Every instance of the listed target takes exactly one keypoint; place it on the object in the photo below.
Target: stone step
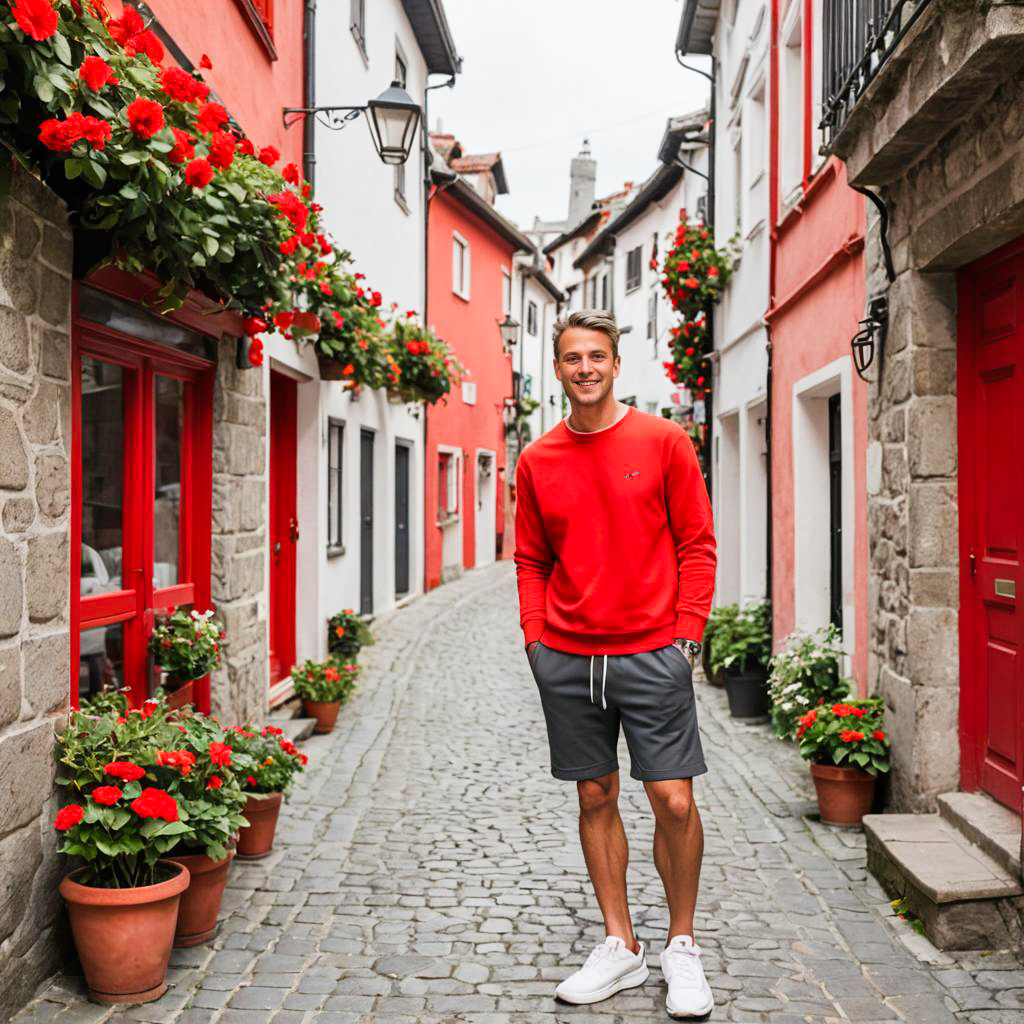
(965, 898)
(990, 825)
(298, 729)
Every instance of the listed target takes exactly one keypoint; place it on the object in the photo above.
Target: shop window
(141, 489)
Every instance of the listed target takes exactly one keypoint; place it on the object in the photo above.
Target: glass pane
(168, 412)
(100, 660)
(102, 476)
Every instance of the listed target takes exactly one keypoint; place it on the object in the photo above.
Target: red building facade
(818, 401)
(470, 264)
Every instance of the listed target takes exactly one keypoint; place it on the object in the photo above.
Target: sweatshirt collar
(592, 436)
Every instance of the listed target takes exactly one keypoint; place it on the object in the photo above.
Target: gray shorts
(650, 693)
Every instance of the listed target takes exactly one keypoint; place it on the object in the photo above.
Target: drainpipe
(309, 89)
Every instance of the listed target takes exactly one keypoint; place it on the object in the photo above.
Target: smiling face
(585, 366)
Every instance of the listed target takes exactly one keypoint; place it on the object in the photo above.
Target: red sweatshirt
(615, 549)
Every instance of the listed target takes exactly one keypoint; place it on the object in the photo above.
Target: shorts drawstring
(604, 676)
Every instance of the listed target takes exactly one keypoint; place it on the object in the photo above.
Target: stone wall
(239, 687)
(35, 373)
(957, 198)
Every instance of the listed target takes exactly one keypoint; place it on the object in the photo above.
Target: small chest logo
(631, 476)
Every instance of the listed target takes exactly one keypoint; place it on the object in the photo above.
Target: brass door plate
(1006, 588)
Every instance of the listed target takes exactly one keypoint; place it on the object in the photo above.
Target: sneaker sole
(682, 1014)
(631, 980)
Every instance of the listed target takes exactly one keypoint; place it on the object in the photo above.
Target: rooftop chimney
(583, 184)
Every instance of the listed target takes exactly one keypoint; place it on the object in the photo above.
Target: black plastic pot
(748, 693)
(714, 678)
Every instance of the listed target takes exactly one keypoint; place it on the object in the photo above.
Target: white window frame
(791, 107)
(634, 279)
(460, 266)
(506, 291)
(454, 476)
(754, 149)
(336, 545)
(531, 318)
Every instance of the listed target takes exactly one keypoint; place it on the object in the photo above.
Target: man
(615, 560)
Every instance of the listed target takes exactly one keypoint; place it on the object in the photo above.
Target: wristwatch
(689, 647)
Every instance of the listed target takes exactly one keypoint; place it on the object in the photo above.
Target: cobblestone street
(428, 869)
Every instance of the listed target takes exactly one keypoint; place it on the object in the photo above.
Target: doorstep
(288, 716)
(993, 827)
(965, 897)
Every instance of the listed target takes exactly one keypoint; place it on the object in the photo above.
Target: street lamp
(392, 117)
(509, 331)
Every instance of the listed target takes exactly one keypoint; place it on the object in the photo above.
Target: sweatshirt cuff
(533, 629)
(689, 627)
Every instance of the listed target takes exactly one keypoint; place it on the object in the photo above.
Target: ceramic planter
(844, 793)
(200, 902)
(181, 695)
(324, 711)
(124, 936)
(256, 840)
(748, 693)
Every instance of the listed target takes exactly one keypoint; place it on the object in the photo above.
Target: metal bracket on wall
(883, 216)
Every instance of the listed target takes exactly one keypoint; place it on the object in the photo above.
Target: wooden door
(284, 524)
(365, 522)
(991, 489)
(401, 518)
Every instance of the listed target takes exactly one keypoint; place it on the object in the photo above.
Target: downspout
(309, 89)
(773, 239)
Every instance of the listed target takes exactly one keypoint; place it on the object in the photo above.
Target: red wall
(252, 86)
(818, 297)
(471, 329)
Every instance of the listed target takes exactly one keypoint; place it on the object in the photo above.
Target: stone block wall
(35, 444)
(952, 204)
(239, 687)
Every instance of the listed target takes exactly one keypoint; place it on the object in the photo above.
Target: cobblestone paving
(428, 870)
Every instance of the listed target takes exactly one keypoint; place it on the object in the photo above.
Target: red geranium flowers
(60, 136)
(181, 86)
(68, 817)
(36, 18)
(106, 795)
(96, 73)
(155, 803)
(126, 771)
(145, 117)
(211, 117)
(199, 173)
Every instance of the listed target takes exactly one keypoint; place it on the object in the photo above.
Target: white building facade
(359, 459)
(738, 39)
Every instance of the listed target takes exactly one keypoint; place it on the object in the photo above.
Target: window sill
(632, 288)
(258, 27)
(458, 294)
(400, 200)
(335, 550)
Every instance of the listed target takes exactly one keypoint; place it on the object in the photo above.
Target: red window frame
(259, 15)
(135, 605)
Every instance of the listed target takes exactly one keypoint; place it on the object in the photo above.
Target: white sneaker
(609, 969)
(689, 994)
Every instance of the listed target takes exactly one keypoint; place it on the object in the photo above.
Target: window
(141, 485)
(531, 318)
(591, 293)
(791, 106)
(604, 291)
(753, 163)
(358, 24)
(633, 269)
(400, 78)
(506, 292)
(335, 505)
(265, 12)
(447, 486)
(835, 532)
(469, 392)
(652, 408)
(652, 315)
(460, 266)
(260, 17)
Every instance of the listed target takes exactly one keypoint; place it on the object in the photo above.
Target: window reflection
(102, 476)
(100, 660)
(167, 500)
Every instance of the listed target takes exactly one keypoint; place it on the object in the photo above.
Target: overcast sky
(540, 75)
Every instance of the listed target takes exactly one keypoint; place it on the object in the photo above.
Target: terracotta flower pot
(124, 936)
(844, 793)
(200, 902)
(324, 711)
(181, 696)
(256, 840)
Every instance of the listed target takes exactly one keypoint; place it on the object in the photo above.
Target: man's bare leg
(606, 852)
(678, 849)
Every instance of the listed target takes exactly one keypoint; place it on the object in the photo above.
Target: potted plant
(324, 687)
(742, 652)
(186, 645)
(716, 630)
(347, 635)
(210, 786)
(848, 749)
(421, 366)
(122, 819)
(275, 763)
(805, 674)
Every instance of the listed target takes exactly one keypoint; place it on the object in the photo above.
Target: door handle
(293, 529)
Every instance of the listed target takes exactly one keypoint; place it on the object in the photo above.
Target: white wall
(534, 361)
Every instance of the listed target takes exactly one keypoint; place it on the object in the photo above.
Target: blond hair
(589, 319)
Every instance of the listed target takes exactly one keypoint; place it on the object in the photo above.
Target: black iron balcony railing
(858, 37)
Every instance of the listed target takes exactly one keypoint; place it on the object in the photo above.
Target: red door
(990, 387)
(142, 415)
(284, 524)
